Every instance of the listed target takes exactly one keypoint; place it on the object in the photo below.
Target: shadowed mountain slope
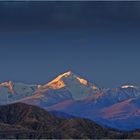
(26, 121)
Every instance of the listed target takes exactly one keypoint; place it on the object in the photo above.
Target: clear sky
(97, 40)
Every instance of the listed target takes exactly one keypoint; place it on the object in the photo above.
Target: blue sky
(97, 40)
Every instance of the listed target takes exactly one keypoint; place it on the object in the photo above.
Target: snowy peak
(66, 79)
(58, 82)
(129, 86)
(66, 74)
(9, 85)
(11, 92)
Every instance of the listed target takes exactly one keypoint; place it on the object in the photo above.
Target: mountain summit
(64, 79)
(74, 84)
(58, 82)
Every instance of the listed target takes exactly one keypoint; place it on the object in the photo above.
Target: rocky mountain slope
(26, 121)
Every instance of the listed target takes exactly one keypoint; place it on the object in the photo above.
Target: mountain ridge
(9, 84)
(20, 120)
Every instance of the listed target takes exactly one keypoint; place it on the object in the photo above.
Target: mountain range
(73, 95)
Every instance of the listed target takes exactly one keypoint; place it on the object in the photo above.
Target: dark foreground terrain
(26, 121)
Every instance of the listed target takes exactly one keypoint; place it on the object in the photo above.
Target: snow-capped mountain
(77, 86)
(66, 86)
(11, 92)
(107, 97)
(76, 96)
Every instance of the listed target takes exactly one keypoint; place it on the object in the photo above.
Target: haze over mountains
(74, 95)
